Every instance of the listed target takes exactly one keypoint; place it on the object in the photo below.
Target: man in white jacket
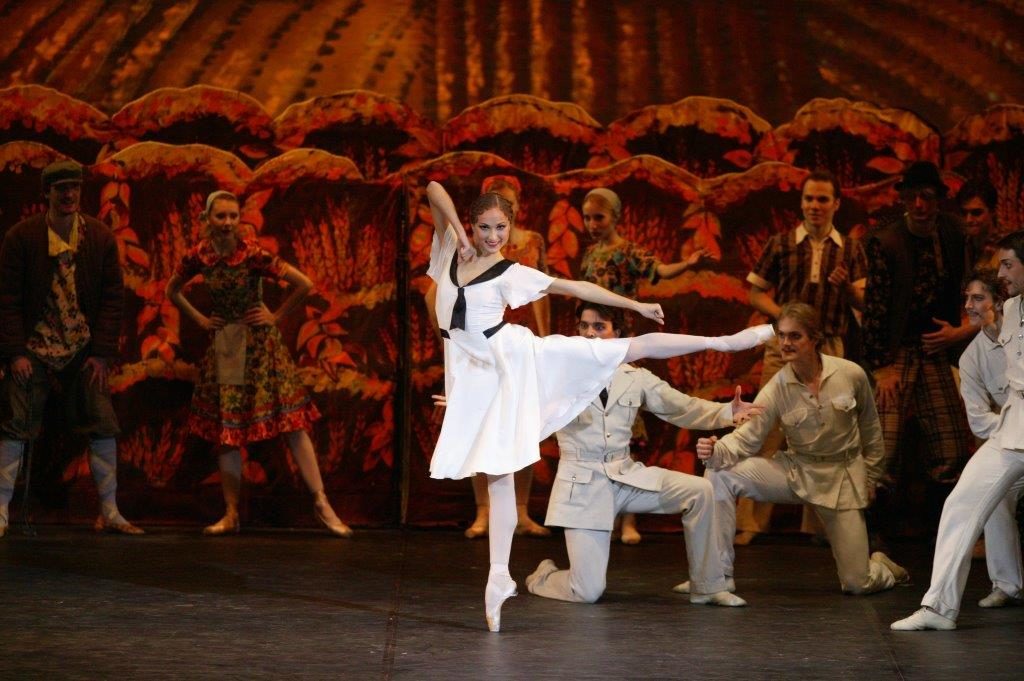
(990, 474)
(598, 479)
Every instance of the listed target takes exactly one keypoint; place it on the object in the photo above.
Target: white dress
(506, 389)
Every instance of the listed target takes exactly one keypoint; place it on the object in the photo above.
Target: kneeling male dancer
(834, 456)
(597, 479)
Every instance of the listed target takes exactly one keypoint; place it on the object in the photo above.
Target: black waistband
(487, 332)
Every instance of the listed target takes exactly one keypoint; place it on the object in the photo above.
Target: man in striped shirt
(814, 264)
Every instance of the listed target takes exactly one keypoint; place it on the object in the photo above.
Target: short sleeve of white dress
(441, 253)
(521, 285)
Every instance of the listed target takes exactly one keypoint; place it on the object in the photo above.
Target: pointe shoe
(998, 599)
(500, 588)
(721, 598)
(116, 525)
(898, 572)
(527, 527)
(545, 568)
(684, 588)
(227, 525)
(328, 517)
(924, 619)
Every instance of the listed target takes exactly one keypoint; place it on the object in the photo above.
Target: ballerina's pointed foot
(500, 587)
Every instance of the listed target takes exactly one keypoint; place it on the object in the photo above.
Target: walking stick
(26, 526)
(27, 529)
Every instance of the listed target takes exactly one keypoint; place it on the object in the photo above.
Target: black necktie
(459, 311)
(604, 397)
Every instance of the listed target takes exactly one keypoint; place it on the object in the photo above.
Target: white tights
(502, 519)
(665, 345)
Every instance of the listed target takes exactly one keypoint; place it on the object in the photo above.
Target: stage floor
(393, 604)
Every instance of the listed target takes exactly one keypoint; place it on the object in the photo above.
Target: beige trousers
(755, 516)
(765, 480)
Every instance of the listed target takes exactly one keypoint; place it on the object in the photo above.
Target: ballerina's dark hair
(489, 200)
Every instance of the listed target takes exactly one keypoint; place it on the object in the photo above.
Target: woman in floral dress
(248, 389)
(619, 265)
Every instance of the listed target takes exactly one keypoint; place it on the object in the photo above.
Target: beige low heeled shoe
(227, 525)
(328, 517)
(119, 526)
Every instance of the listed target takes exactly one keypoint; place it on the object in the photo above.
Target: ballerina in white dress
(506, 389)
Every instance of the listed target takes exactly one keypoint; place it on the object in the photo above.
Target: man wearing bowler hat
(916, 266)
(61, 298)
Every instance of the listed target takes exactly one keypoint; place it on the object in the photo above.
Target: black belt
(487, 332)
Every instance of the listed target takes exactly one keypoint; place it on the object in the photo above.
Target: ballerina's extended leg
(502, 526)
(666, 345)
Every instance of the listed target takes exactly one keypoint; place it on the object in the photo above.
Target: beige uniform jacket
(834, 442)
(594, 447)
(1009, 432)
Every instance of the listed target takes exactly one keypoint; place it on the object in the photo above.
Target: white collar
(833, 233)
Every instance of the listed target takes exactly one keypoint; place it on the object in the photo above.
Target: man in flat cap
(916, 266)
(61, 298)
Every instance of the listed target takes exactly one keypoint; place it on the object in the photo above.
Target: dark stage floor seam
(880, 628)
(391, 637)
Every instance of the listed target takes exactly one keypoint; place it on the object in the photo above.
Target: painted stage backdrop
(335, 185)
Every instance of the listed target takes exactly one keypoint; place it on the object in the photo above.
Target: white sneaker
(684, 588)
(923, 620)
(545, 568)
(722, 598)
(899, 573)
(998, 599)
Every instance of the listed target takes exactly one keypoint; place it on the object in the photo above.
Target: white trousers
(765, 480)
(585, 580)
(984, 498)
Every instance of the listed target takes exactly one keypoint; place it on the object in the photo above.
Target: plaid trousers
(929, 394)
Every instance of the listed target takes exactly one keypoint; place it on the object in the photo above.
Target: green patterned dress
(272, 399)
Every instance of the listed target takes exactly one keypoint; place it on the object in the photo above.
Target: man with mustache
(833, 459)
(61, 299)
(814, 264)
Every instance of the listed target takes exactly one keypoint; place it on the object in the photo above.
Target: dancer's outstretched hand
(743, 411)
(467, 254)
(651, 311)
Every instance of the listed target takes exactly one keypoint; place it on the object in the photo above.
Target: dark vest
(896, 243)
